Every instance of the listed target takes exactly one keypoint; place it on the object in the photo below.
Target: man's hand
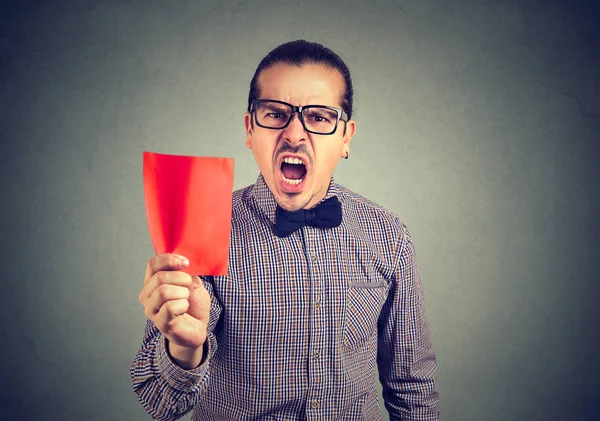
(179, 306)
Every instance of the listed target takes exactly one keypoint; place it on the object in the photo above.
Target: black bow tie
(327, 214)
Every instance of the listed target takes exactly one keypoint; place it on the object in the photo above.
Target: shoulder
(240, 201)
(241, 194)
(365, 211)
(368, 219)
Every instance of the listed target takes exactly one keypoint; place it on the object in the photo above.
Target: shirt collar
(265, 201)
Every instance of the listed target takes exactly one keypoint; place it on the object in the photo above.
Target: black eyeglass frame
(341, 115)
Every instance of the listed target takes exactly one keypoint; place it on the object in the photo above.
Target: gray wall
(478, 123)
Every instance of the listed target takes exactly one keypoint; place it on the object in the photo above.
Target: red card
(188, 205)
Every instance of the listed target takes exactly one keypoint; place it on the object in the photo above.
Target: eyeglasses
(277, 115)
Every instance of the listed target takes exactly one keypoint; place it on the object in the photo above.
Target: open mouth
(293, 170)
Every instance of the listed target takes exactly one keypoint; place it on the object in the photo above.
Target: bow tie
(327, 214)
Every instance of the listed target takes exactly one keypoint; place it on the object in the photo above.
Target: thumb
(196, 282)
(199, 300)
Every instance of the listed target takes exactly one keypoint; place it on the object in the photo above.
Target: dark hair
(303, 52)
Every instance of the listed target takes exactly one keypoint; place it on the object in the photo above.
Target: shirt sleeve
(165, 390)
(405, 355)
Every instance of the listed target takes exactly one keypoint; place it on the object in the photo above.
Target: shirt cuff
(178, 377)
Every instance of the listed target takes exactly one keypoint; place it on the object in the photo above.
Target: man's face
(307, 184)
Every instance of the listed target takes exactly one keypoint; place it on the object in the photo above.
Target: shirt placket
(315, 404)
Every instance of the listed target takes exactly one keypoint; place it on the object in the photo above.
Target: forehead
(301, 85)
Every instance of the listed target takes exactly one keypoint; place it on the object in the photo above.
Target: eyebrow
(327, 110)
(274, 107)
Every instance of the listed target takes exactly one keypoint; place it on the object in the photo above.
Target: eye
(318, 117)
(276, 115)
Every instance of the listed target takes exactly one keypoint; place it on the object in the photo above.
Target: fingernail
(184, 261)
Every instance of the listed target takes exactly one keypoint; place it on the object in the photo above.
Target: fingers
(180, 279)
(165, 261)
(170, 311)
(162, 295)
(176, 302)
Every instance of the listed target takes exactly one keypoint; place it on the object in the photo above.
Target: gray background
(478, 123)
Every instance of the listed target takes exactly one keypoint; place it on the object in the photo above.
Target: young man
(322, 287)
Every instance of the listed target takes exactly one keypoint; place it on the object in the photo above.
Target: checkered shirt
(301, 326)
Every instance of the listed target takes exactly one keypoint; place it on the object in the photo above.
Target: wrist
(184, 357)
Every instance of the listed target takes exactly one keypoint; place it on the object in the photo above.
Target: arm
(166, 390)
(405, 355)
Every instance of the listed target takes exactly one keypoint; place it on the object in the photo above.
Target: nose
(294, 132)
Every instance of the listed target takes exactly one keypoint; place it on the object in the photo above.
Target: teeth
(287, 180)
(290, 160)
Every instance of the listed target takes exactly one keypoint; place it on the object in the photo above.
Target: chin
(292, 202)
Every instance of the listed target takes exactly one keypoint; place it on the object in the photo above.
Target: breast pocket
(364, 301)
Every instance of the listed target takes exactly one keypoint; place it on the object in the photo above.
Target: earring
(347, 155)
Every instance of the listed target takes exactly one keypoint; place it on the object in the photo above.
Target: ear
(249, 129)
(350, 131)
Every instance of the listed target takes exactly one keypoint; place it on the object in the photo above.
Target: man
(322, 288)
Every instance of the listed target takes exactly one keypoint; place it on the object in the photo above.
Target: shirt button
(317, 355)
(313, 257)
(314, 404)
(317, 306)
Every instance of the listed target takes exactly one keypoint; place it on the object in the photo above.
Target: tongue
(293, 171)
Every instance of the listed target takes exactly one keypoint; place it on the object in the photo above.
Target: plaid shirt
(300, 324)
